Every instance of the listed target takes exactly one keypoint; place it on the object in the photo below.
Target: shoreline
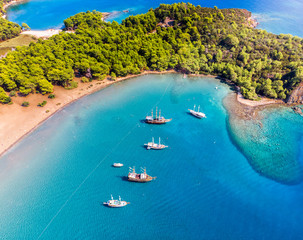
(42, 34)
(30, 118)
(45, 34)
(5, 6)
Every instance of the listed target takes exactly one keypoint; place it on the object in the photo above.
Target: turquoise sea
(277, 16)
(53, 182)
(220, 178)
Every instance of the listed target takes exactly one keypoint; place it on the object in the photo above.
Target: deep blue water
(277, 16)
(209, 183)
(53, 183)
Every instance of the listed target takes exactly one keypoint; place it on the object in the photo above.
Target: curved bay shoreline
(17, 121)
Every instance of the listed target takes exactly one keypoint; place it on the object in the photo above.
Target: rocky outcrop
(297, 110)
(251, 21)
(167, 23)
(296, 97)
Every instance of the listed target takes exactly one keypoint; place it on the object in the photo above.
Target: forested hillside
(7, 29)
(178, 36)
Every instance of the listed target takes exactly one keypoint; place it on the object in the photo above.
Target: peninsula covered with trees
(8, 29)
(184, 37)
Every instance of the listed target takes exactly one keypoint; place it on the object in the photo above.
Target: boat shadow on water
(123, 178)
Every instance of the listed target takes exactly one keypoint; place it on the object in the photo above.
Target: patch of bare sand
(42, 34)
(17, 121)
(263, 101)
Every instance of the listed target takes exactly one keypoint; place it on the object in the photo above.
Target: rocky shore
(6, 5)
(296, 97)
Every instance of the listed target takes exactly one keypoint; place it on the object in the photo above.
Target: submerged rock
(268, 138)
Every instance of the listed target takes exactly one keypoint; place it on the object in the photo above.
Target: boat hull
(140, 180)
(155, 148)
(197, 115)
(155, 121)
(117, 165)
(115, 205)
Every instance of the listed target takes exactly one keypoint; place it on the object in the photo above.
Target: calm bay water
(53, 182)
(277, 16)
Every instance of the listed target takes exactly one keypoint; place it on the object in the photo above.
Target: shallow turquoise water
(53, 183)
(272, 144)
(277, 16)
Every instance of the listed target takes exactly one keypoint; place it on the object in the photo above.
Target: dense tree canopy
(181, 36)
(7, 29)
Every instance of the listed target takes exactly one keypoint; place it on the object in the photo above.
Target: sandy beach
(17, 121)
(12, 3)
(42, 34)
(263, 101)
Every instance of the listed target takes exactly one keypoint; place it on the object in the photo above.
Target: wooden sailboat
(142, 177)
(156, 120)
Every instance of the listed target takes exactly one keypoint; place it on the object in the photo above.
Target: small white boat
(156, 146)
(115, 203)
(197, 114)
(117, 165)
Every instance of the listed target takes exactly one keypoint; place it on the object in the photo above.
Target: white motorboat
(117, 165)
(116, 203)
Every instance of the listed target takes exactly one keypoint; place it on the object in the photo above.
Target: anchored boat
(155, 146)
(142, 177)
(117, 165)
(197, 114)
(115, 203)
(156, 120)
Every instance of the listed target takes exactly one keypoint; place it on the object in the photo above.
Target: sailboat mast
(152, 113)
(159, 140)
(153, 140)
(199, 108)
(194, 107)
